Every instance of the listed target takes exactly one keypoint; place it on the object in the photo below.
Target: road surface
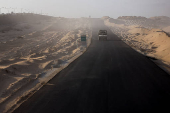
(110, 77)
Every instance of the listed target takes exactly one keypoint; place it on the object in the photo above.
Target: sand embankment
(144, 35)
(30, 48)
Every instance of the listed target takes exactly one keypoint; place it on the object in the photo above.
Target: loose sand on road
(29, 49)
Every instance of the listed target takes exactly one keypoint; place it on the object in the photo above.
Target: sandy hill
(155, 42)
(13, 26)
(10, 19)
(162, 18)
(137, 21)
(132, 17)
(34, 44)
(147, 35)
(161, 22)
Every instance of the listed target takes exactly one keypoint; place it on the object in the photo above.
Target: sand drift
(149, 36)
(33, 52)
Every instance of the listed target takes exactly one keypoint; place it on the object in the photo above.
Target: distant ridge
(131, 17)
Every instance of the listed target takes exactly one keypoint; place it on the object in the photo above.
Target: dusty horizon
(86, 8)
(35, 48)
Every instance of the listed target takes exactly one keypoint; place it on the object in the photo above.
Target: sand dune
(25, 54)
(144, 35)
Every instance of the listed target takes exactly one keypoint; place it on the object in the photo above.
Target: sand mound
(26, 54)
(132, 17)
(155, 42)
(161, 21)
(144, 35)
(162, 18)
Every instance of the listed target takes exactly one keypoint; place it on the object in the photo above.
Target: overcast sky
(95, 8)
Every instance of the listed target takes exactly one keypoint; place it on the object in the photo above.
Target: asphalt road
(109, 77)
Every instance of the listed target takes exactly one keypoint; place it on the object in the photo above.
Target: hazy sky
(95, 8)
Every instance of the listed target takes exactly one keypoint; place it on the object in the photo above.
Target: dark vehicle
(102, 34)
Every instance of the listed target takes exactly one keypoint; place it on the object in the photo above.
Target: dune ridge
(149, 39)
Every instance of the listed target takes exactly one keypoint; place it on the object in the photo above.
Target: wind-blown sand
(28, 49)
(149, 36)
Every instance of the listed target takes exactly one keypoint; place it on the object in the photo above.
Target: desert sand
(33, 44)
(29, 47)
(149, 36)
